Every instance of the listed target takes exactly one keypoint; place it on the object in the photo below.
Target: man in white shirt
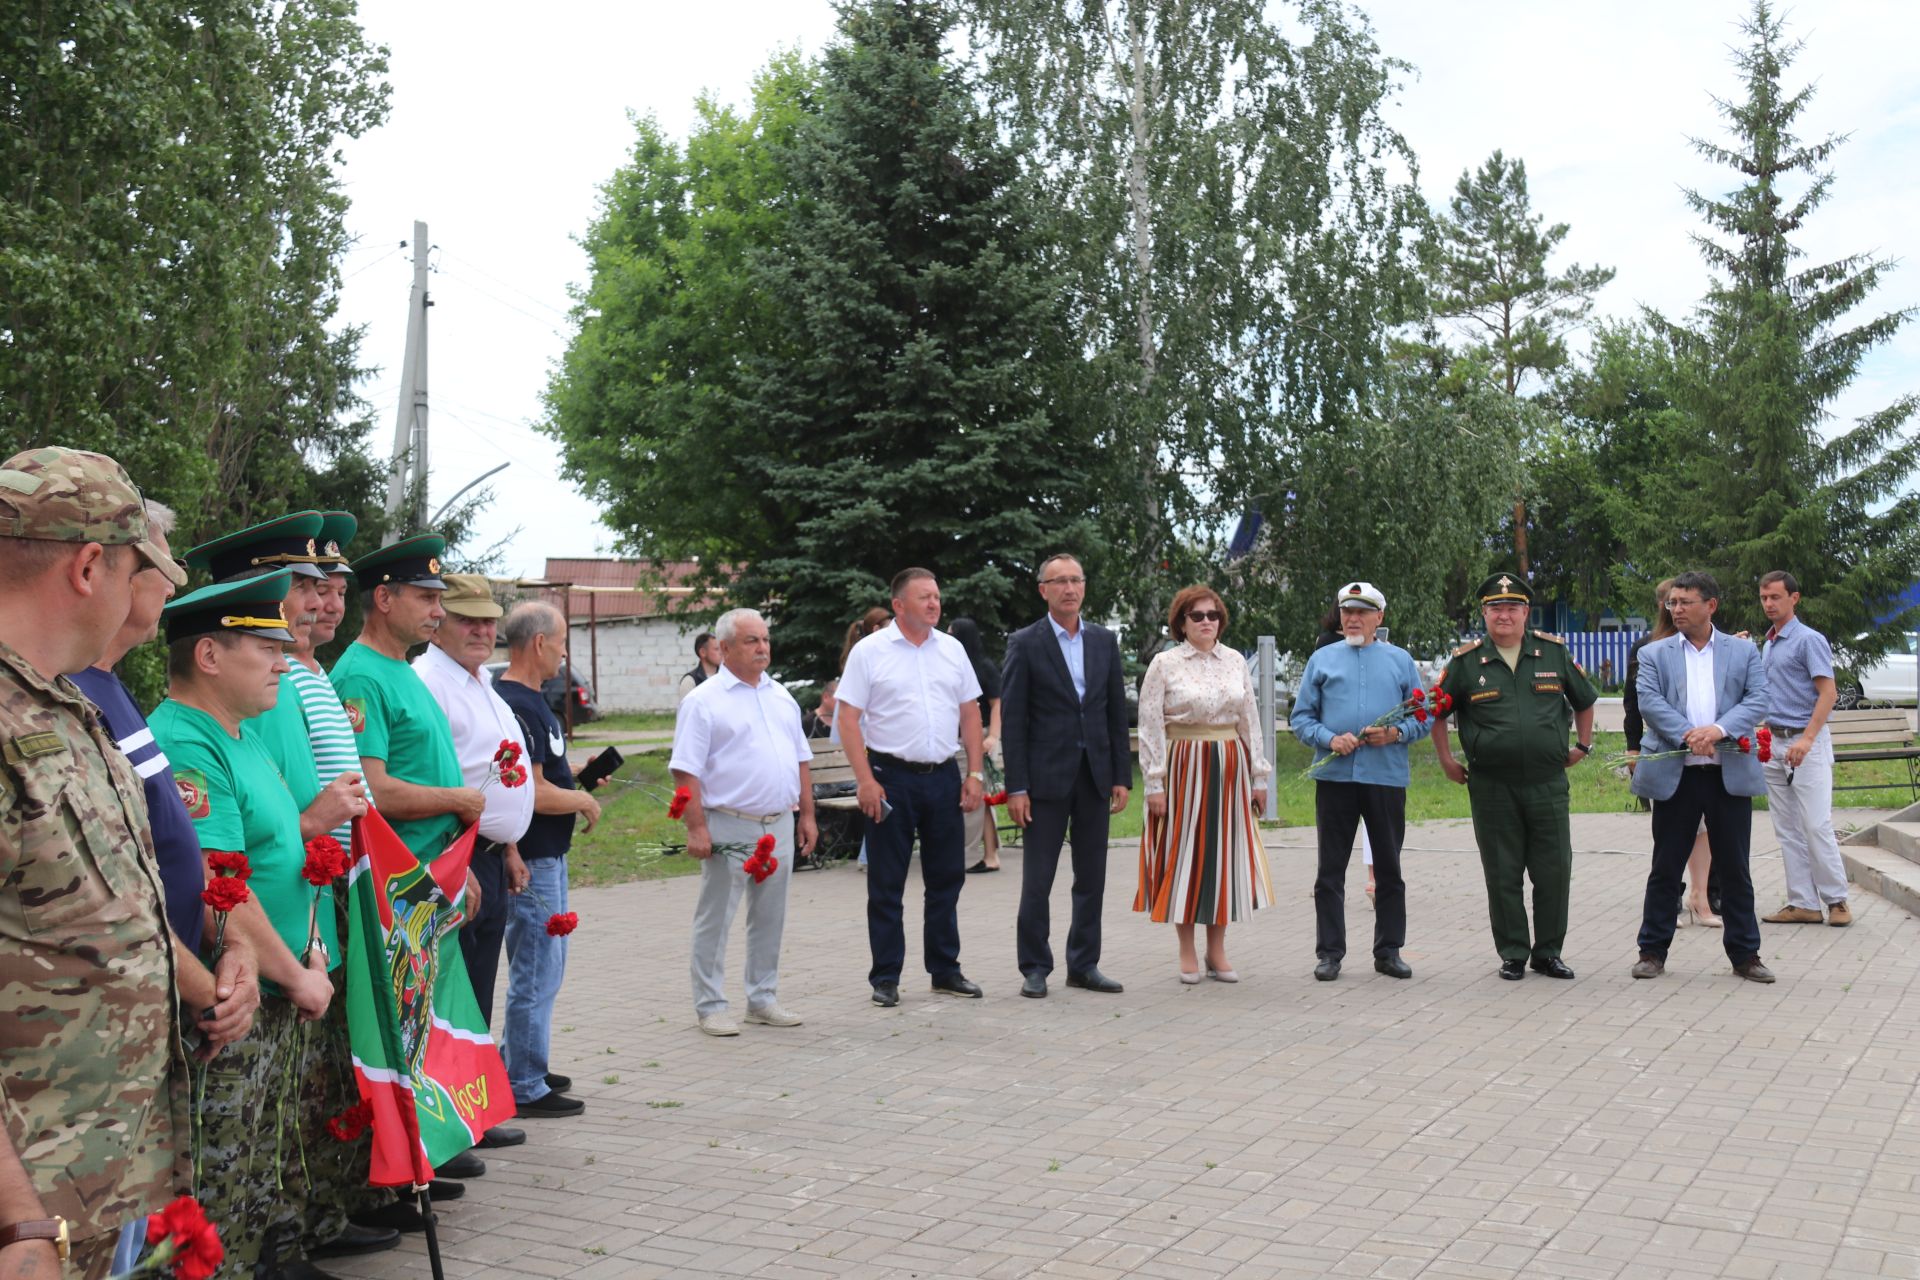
(739, 751)
(908, 703)
(454, 670)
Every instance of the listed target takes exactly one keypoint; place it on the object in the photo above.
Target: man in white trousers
(1800, 697)
(739, 750)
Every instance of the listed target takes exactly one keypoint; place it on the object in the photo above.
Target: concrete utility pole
(409, 468)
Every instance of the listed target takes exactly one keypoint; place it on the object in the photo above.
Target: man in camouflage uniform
(94, 1076)
(1515, 696)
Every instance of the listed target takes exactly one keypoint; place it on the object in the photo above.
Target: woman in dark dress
(982, 838)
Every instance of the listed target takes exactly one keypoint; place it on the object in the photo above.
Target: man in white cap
(1345, 688)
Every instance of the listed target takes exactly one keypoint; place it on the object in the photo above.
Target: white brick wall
(641, 660)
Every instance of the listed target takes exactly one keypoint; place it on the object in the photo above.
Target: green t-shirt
(239, 802)
(396, 720)
(288, 742)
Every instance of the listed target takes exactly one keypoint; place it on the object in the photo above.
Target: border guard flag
(421, 1052)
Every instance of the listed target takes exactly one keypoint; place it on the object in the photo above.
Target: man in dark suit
(1063, 717)
(1701, 691)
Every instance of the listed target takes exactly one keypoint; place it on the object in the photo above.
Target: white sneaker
(773, 1016)
(719, 1024)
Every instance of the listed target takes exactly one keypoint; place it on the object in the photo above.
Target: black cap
(290, 541)
(412, 562)
(1506, 586)
(244, 607)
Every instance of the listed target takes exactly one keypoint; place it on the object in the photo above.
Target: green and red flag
(421, 1052)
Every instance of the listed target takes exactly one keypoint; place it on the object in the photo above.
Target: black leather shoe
(957, 985)
(441, 1189)
(1094, 980)
(401, 1215)
(1513, 970)
(886, 994)
(559, 1083)
(1034, 986)
(1553, 967)
(552, 1105)
(1327, 970)
(502, 1135)
(1390, 963)
(464, 1165)
(357, 1239)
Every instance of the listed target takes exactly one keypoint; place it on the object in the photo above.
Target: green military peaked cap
(1506, 586)
(246, 607)
(412, 561)
(289, 540)
(336, 531)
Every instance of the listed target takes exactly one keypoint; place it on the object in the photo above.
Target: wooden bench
(1875, 735)
(830, 767)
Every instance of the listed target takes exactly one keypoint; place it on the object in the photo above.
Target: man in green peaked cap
(1517, 694)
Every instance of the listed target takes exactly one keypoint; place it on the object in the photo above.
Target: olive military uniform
(1515, 729)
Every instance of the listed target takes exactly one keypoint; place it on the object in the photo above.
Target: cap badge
(433, 565)
(333, 548)
(1506, 583)
(311, 552)
(1354, 590)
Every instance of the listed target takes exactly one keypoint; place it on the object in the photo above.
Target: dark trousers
(1524, 834)
(1338, 809)
(1087, 813)
(481, 938)
(1701, 793)
(927, 805)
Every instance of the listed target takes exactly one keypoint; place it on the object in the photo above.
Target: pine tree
(909, 412)
(1764, 355)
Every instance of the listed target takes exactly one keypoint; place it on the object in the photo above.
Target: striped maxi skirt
(1203, 863)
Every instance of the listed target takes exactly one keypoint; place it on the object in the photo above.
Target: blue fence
(1602, 653)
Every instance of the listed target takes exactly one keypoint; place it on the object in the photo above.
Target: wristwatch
(1584, 748)
(976, 775)
(54, 1229)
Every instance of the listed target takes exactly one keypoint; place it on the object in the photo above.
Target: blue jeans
(535, 965)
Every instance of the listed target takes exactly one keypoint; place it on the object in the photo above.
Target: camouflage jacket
(92, 1072)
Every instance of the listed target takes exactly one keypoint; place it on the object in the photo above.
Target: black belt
(483, 845)
(911, 766)
(1790, 730)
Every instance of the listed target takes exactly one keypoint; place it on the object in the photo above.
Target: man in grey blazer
(1702, 690)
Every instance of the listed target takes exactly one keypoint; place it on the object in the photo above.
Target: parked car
(1894, 678)
(555, 692)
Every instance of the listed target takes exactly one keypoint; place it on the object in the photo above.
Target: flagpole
(433, 1237)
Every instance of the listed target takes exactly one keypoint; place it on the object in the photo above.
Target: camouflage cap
(52, 494)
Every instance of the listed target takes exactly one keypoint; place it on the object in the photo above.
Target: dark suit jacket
(1044, 726)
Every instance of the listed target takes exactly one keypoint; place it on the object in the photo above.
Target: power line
(476, 267)
(544, 322)
(371, 265)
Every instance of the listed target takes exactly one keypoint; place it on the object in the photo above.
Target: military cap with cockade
(244, 607)
(289, 541)
(51, 494)
(412, 561)
(336, 531)
(1506, 587)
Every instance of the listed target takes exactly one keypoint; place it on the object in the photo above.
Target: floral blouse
(1185, 685)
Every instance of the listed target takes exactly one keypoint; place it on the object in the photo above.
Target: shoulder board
(1468, 647)
(1542, 635)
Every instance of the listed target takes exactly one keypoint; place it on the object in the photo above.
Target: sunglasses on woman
(1205, 615)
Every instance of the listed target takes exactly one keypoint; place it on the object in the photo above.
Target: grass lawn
(630, 722)
(633, 825)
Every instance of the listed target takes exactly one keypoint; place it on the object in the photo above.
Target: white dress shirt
(479, 720)
(744, 742)
(1703, 692)
(909, 694)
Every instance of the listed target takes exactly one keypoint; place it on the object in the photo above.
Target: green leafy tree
(1239, 220)
(1488, 271)
(1760, 362)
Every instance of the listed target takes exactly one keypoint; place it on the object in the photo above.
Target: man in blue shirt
(1800, 697)
(1361, 775)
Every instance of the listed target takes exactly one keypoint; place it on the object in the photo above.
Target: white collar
(436, 654)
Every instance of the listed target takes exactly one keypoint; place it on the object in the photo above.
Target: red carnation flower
(352, 1122)
(1746, 746)
(1420, 714)
(1418, 695)
(763, 846)
(225, 893)
(230, 864)
(183, 1237)
(326, 861)
(682, 797)
(562, 923)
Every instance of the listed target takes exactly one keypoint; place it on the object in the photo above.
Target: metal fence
(1603, 654)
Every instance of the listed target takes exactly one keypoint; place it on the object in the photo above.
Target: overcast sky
(506, 120)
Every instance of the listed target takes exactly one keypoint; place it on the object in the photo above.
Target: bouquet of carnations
(1759, 746)
(1420, 706)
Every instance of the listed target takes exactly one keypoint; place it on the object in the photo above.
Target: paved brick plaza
(1454, 1125)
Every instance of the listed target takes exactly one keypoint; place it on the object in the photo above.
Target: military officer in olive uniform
(1515, 695)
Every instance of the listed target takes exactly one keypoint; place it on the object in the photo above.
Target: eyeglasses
(1205, 615)
(1063, 582)
(1673, 603)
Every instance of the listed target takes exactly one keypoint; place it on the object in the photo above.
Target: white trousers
(1803, 821)
(722, 884)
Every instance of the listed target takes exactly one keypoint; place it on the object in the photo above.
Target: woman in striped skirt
(1200, 857)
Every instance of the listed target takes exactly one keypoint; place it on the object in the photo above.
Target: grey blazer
(1740, 703)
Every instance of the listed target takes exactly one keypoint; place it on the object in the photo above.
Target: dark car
(555, 692)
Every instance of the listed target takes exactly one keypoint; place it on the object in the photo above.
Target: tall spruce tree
(909, 413)
(1760, 362)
